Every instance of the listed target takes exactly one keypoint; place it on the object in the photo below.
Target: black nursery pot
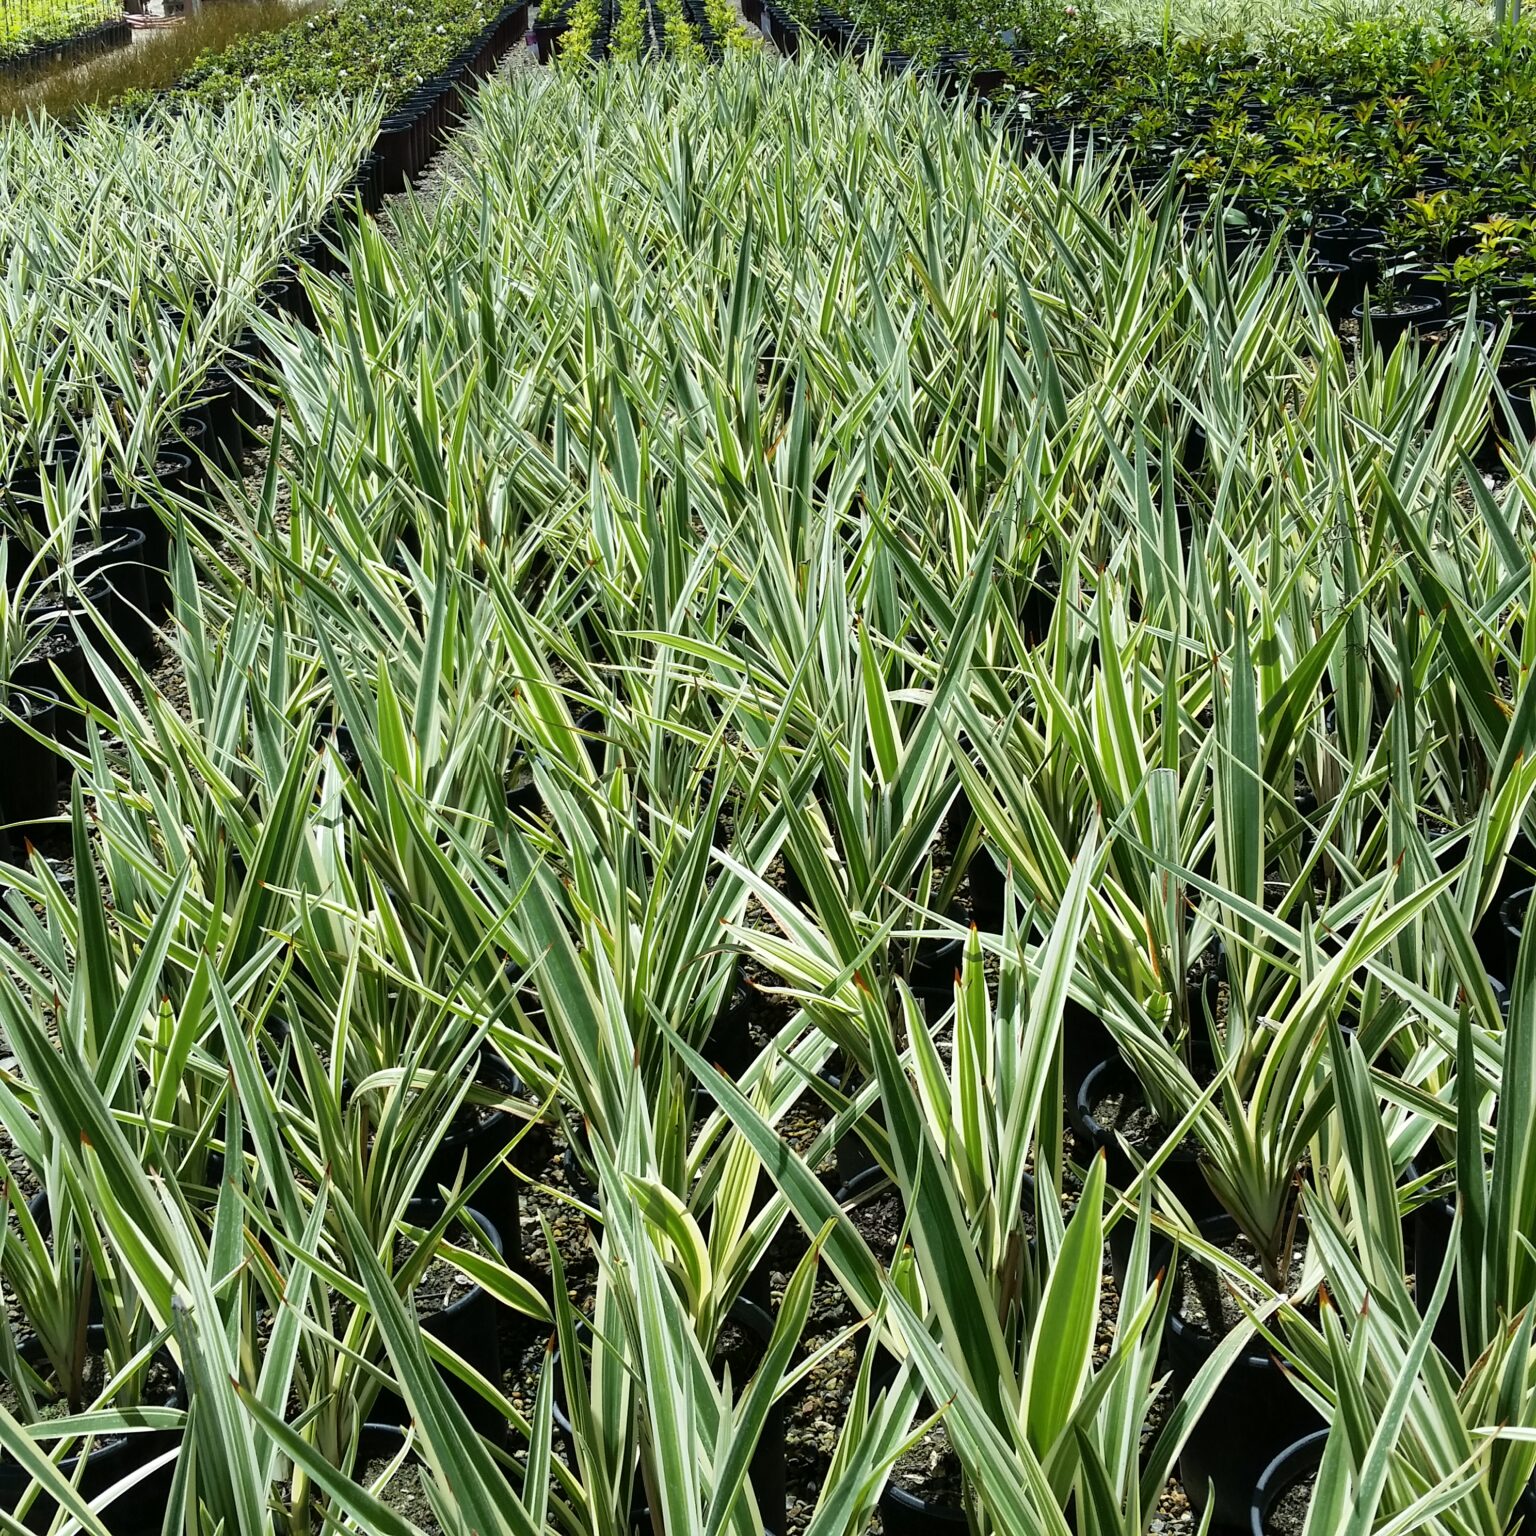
(24, 486)
(173, 468)
(1254, 1413)
(1390, 323)
(730, 1046)
(931, 968)
(1517, 362)
(120, 560)
(1512, 914)
(1497, 935)
(64, 659)
(1180, 1171)
(1323, 228)
(393, 149)
(1340, 290)
(154, 556)
(1085, 1043)
(473, 1145)
(141, 1511)
(29, 785)
(1292, 1467)
(1520, 391)
(903, 1513)
(1342, 241)
(222, 405)
(470, 1327)
(1430, 1227)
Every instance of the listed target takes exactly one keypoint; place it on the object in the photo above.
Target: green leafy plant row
(29, 24)
(1416, 125)
(357, 47)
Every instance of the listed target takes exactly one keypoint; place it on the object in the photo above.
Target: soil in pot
(1288, 1517)
(404, 1493)
(1390, 319)
(140, 1513)
(925, 1490)
(879, 1219)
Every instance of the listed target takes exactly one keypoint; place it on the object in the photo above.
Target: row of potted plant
(86, 560)
(33, 30)
(998, 746)
(353, 48)
(1412, 127)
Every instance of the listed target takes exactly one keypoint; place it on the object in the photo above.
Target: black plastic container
(1521, 410)
(1293, 1466)
(29, 781)
(22, 494)
(392, 149)
(1512, 913)
(1339, 242)
(469, 1326)
(1321, 228)
(1497, 934)
(1389, 324)
(1517, 362)
(1341, 293)
(1254, 1413)
(155, 553)
(1430, 1231)
(173, 468)
(120, 560)
(139, 1512)
(472, 1144)
(906, 1514)
(931, 968)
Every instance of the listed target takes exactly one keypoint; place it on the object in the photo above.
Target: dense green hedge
(1427, 129)
(358, 45)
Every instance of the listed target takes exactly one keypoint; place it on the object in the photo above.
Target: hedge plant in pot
(998, 1318)
(1120, 755)
(1471, 1217)
(1410, 1444)
(462, 1481)
(81, 1356)
(723, 1355)
(372, 1142)
(1257, 1111)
